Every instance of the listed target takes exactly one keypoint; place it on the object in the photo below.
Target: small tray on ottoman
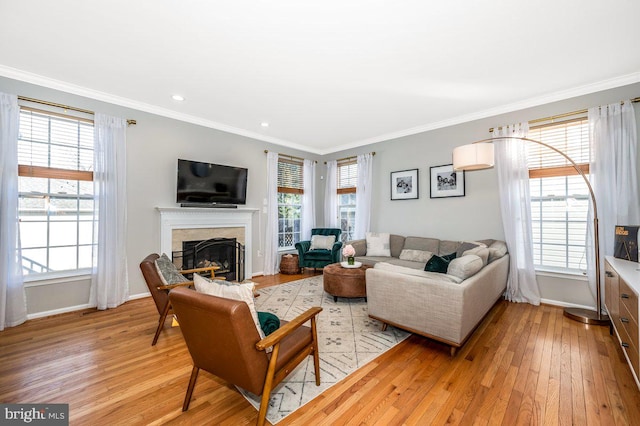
(289, 264)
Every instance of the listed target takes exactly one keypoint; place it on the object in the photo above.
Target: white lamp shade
(475, 156)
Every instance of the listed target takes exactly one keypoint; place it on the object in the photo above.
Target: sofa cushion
(396, 244)
(439, 263)
(416, 272)
(360, 246)
(421, 243)
(318, 254)
(447, 246)
(481, 252)
(378, 244)
(416, 255)
(322, 242)
(464, 246)
(497, 250)
(465, 266)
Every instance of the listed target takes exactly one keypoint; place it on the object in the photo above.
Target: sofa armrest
(426, 305)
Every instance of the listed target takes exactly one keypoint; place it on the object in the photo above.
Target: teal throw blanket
(268, 322)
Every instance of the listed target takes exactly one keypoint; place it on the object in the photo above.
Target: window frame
(80, 148)
(346, 184)
(553, 166)
(290, 185)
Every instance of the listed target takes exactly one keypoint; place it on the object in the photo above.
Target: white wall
(155, 143)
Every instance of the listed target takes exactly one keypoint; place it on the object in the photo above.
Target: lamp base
(586, 316)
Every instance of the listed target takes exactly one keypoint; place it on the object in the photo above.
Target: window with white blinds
(290, 190)
(347, 179)
(559, 195)
(55, 192)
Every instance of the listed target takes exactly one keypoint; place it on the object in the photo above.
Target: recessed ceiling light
(264, 124)
(177, 98)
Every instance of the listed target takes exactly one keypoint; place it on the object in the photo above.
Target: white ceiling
(326, 75)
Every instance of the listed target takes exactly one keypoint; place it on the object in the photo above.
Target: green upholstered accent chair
(319, 258)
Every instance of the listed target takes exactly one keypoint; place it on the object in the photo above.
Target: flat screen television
(210, 184)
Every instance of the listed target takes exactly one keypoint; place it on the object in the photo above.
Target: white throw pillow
(422, 256)
(497, 250)
(481, 252)
(378, 244)
(227, 290)
(465, 266)
(322, 242)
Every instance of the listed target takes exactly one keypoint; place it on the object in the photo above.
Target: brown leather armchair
(222, 339)
(159, 291)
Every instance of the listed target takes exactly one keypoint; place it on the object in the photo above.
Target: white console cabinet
(622, 288)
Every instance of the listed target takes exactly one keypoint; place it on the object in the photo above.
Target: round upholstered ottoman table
(345, 282)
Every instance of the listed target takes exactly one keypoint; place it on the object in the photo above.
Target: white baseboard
(68, 309)
(565, 304)
(59, 311)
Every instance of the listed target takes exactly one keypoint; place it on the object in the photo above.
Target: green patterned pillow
(168, 272)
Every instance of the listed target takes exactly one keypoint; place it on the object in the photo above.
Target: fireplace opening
(226, 253)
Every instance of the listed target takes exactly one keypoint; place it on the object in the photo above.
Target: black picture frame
(445, 182)
(404, 185)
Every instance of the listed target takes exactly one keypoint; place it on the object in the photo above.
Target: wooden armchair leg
(163, 317)
(192, 384)
(268, 386)
(316, 354)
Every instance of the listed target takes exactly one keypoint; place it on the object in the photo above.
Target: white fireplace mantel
(193, 217)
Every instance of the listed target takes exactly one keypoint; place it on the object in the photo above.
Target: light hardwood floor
(523, 365)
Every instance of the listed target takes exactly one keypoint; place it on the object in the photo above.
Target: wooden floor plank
(523, 364)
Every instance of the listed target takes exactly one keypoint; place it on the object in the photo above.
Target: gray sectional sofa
(445, 306)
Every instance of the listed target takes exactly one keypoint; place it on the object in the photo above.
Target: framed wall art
(404, 185)
(445, 182)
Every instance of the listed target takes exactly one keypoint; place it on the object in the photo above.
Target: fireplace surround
(215, 220)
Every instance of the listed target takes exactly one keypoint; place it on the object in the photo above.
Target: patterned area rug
(347, 338)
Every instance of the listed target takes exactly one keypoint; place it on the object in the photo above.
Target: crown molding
(50, 83)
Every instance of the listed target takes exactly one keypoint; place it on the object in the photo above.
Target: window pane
(289, 217)
(34, 261)
(63, 258)
(33, 234)
(63, 233)
(85, 254)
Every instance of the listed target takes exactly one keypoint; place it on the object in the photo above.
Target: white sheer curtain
(331, 195)
(109, 281)
(363, 195)
(613, 175)
(13, 308)
(308, 212)
(515, 206)
(271, 234)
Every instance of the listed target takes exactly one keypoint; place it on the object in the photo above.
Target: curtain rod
(566, 114)
(130, 122)
(351, 158)
(291, 157)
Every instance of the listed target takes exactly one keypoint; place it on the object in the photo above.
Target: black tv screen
(205, 183)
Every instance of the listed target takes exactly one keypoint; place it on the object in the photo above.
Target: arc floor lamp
(479, 155)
